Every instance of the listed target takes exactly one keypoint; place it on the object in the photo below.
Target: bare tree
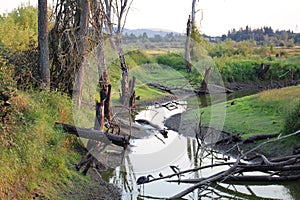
(121, 8)
(188, 46)
(82, 47)
(43, 43)
(191, 25)
(103, 107)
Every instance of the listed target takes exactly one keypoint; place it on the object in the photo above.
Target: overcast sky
(219, 16)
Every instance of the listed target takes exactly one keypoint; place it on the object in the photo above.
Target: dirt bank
(183, 126)
(260, 85)
(96, 188)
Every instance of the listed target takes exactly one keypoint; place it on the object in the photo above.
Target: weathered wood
(230, 139)
(187, 45)
(160, 87)
(260, 137)
(132, 92)
(96, 135)
(99, 119)
(230, 179)
(219, 176)
(204, 83)
(213, 89)
(163, 131)
(236, 169)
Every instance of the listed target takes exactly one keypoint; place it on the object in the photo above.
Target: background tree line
(264, 35)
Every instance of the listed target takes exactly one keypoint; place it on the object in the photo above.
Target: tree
(121, 8)
(69, 45)
(43, 46)
(103, 111)
(82, 44)
(190, 29)
(187, 46)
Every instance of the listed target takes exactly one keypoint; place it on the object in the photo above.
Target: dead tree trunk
(193, 14)
(188, 46)
(82, 48)
(204, 83)
(189, 27)
(43, 43)
(103, 111)
(124, 81)
(132, 93)
(122, 7)
(108, 22)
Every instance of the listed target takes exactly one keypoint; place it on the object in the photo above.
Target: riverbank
(263, 113)
(37, 159)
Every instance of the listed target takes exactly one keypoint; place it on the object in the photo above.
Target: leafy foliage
(19, 28)
(7, 90)
(173, 60)
(292, 121)
(245, 69)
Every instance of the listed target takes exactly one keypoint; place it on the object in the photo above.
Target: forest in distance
(264, 35)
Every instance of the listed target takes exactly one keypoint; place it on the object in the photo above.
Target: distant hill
(150, 32)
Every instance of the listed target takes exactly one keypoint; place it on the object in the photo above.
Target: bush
(7, 90)
(173, 60)
(292, 121)
(19, 27)
(139, 57)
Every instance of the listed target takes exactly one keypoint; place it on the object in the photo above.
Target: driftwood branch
(190, 170)
(233, 173)
(209, 180)
(160, 87)
(231, 179)
(260, 137)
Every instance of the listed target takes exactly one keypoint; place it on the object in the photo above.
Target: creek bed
(155, 154)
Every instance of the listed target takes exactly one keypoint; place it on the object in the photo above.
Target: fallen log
(255, 138)
(213, 89)
(230, 179)
(160, 87)
(163, 131)
(104, 137)
(230, 139)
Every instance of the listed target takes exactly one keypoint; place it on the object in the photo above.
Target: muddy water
(155, 154)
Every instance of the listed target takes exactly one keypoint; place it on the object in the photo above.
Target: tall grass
(34, 154)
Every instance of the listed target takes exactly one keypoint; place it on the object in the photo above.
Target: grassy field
(264, 112)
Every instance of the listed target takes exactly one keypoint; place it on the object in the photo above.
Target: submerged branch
(238, 167)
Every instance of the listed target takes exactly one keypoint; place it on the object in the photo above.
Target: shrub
(292, 121)
(7, 90)
(173, 60)
(139, 57)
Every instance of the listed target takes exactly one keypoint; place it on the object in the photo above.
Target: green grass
(256, 114)
(34, 155)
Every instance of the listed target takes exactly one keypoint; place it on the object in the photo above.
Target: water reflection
(154, 155)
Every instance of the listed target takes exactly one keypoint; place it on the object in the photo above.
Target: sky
(214, 18)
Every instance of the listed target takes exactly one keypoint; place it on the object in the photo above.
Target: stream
(156, 153)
